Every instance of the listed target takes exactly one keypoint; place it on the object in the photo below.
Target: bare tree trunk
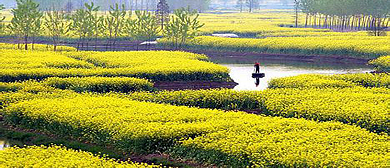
(307, 19)
(250, 6)
(348, 23)
(379, 25)
(319, 21)
(107, 44)
(326, 22)
(359, 23)
(337, 22)
(25, 43)
(296, 15)
(32, 42)
(364, 23)
(368, 23)
(82, 42)
(78, 44)
(147, 5)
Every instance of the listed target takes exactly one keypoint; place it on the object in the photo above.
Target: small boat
(258, 75)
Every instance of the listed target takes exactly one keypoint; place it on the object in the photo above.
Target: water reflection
(257, 76)
(294, 63)
(242, 73)
(4, 144)
(257, 82)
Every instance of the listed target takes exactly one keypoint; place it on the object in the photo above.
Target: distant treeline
(347, 14)
(86, 25)
(149, 5)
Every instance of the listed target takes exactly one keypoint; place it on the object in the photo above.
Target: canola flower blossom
(100, 84)
(352, 46)
(57, 156)
(381, 64)
(240, 138)
(153, 65)
(364, 107)
(332, 81)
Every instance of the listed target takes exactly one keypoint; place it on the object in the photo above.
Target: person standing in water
(257, 67)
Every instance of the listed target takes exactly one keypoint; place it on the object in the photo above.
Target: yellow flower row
(262, 24)
(382, 64)
(153, 65)
(354, 46)
(100, 84)
(364, 107)
(20, 59)
(276, 142)
(56, 156)
(224, 138)
(332, 81)
(367, 108)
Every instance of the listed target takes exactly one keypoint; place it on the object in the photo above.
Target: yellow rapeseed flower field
(332, 81)
(364, 107)
(353, 46)
(100, 84)
(261, 23)
(154, 65)
(56, 156)
(302, 121)
(382, 64)
(237, 138)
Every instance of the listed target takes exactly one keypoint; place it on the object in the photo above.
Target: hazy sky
(214, 3)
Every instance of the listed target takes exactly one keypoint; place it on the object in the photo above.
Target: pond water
(242, 69)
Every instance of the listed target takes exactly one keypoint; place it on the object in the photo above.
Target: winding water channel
(242, 69)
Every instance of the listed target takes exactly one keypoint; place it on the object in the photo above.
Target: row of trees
(148, 5)
(87, 25)
(250, 4)
(347, 14)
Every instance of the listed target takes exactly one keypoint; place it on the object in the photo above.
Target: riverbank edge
(284, 57)
(124, 45)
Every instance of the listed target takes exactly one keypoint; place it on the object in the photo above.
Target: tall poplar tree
(2, 18)
(162, 13)
(26, 20)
